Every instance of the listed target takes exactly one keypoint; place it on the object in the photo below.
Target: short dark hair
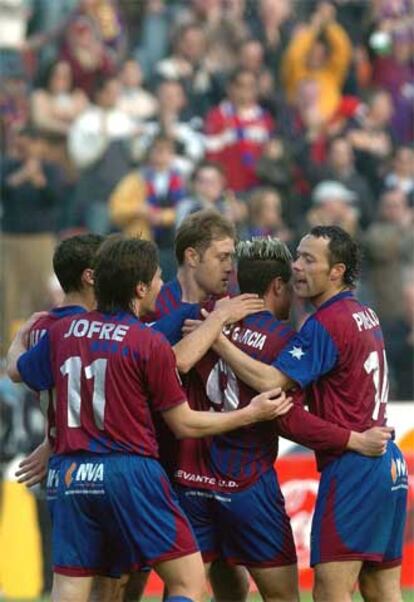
(199, 229)
(72, 257)
(239, 71)
(260, 261)
(342, 249)
(206, 164)
(121, 264)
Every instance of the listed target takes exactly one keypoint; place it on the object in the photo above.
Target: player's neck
(85, 300)
(326, 295)
(191, 292)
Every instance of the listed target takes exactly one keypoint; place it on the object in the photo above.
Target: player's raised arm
(257, 375)
(185, 422)
(191, 349)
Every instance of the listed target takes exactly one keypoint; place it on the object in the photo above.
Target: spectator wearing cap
(332, 205)
(340, 167)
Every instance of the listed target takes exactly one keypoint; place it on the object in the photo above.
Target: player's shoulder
(337, 311)
(169, 298)
(48, 321)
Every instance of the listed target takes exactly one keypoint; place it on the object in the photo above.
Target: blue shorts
(361, 510)
(249, 527)
(113, 514)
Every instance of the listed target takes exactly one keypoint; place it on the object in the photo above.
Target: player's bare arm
(372, 442)
(33, 469)
(257, 375)
(227, 311)
(19, 346)
(186, 423)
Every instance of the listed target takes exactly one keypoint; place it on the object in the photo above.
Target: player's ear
(338, 272)
(191, 257)
(88, 277)
(276, 286)
(141, 290)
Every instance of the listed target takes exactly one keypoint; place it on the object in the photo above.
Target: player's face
(311, 270)
(148, 302)
(215, 266)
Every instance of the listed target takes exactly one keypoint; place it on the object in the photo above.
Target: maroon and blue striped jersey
(339, 351)
(236, 460)
(38, 330)
(110, 373)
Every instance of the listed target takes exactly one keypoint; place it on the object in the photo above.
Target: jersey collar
(337, 297)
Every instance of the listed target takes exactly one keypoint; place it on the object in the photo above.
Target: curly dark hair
(342, 249)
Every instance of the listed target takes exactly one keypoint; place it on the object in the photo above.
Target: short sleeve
(35, 367)
(310, 354)
(171, 325)
(164, 383)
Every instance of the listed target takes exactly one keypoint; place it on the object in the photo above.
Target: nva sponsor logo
(90, 473)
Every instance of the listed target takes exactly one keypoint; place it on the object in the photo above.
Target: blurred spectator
(173, 121)
(389, 44)
(56, 105)
(251, 58)
(134, 100)
(14, 108)
(224, 28)
(265, 215)
(340, 166)
(86, 53)
(128, 207)
(321, 51)
(154, 36)
(98, 146)
(399, 339)
(274, 168)
(237, 131)
(209, 192)
(187, 65)
(332, 206)
(272, 24)
(165, 189)
(14, 17)
(105, 17)
(30, 202)
(401, 175)
(389, 246)
(370, 135)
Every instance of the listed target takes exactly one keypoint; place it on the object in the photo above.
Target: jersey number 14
(380, 378)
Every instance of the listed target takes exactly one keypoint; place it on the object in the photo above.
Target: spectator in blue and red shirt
(165, 188)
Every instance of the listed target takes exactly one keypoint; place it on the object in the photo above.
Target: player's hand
(190, 325)
(235, 309)
(372, 442)
(33, 469)
(270, 405)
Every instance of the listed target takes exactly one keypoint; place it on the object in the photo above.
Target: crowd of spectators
(282, 114)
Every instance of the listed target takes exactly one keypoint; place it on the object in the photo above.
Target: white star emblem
(297, 352)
